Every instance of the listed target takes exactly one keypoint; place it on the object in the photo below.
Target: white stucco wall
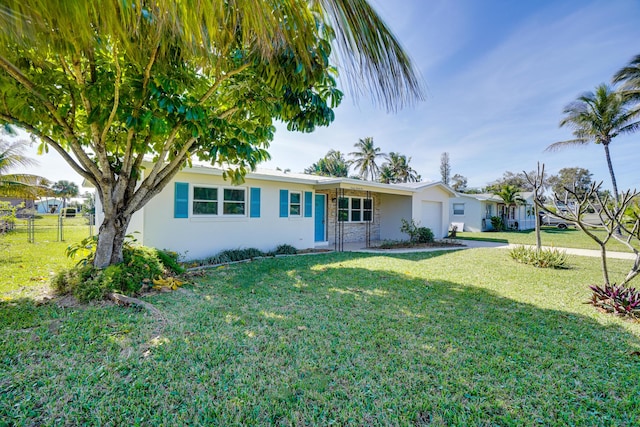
(431, 195)
(198, 237)
(393, 209)
(473, 213)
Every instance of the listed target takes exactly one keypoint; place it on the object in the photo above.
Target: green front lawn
(26, 266)
(442, 338)
(550, 236)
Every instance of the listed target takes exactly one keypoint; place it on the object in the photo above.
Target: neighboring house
(26, 206)
(475, 212)
(48, 205)
(199, 213)
(26, 203)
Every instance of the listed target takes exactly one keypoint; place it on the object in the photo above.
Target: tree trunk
(613, 176)
(110, 240)
(603, 262)
(536, 212)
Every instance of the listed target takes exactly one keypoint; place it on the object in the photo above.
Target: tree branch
(116, 96)
(97, 148)
(65, 155)
(151, 185)
(18, 76)
(217, 84)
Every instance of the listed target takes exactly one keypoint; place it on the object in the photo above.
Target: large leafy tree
(110, 83)
(459, 183)
(18, 184)
(365, 157)
(599, 117)
(577, 180)
(515, 179)
(332, 164)
(397, 170)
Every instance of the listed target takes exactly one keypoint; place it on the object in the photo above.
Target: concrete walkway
(473, 244)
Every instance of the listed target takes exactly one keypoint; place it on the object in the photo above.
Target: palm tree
(65, 189)
(365, 159)
(332, 164)
(629, 77)
(386, 174)
(510, 195)
(16, 184)
(397, 170)
(599, 117)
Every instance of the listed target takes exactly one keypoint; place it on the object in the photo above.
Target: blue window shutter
(308, 204)
(181, 200)
(255, 203)
(284, 203)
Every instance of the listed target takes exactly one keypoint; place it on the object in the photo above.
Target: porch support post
(368, 223)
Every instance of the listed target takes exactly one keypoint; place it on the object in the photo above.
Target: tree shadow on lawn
(475, 356)
(319, 340)
(400, 348)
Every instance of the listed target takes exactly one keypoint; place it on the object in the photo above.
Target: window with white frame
(216, 201)
(234, 201)
(458, 208)
(295, 203)
(355, 209)
(205, 201)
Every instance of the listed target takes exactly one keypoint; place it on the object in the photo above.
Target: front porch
(357, 215)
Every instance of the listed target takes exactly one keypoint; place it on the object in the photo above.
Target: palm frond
(371, 57)
(630, 128)
(564, 144)
(629, 75)
(369, 49)
(11, 156)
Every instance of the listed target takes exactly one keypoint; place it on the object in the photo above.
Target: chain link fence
(56, 227)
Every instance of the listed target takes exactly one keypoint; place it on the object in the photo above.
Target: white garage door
(432, 217)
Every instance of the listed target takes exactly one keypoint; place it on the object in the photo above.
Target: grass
(463, 338)
(25, 266)
(550, 236)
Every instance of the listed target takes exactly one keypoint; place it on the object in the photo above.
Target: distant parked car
(68, 212)
(552, 220)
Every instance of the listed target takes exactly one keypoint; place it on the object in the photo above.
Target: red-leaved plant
(617, 299)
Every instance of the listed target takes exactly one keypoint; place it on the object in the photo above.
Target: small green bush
(87, 283)
(543, 258)
(285, 250)
(8, 216)
(232, 255)
(170, 260)
(416, 234)
(425, 235)
(497, 223)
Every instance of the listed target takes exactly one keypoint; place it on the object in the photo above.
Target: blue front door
(320, 210)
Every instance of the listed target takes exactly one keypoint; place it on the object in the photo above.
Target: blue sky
(498, 74)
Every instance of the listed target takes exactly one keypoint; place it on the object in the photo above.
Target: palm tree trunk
(614, 184)
(613, 176)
